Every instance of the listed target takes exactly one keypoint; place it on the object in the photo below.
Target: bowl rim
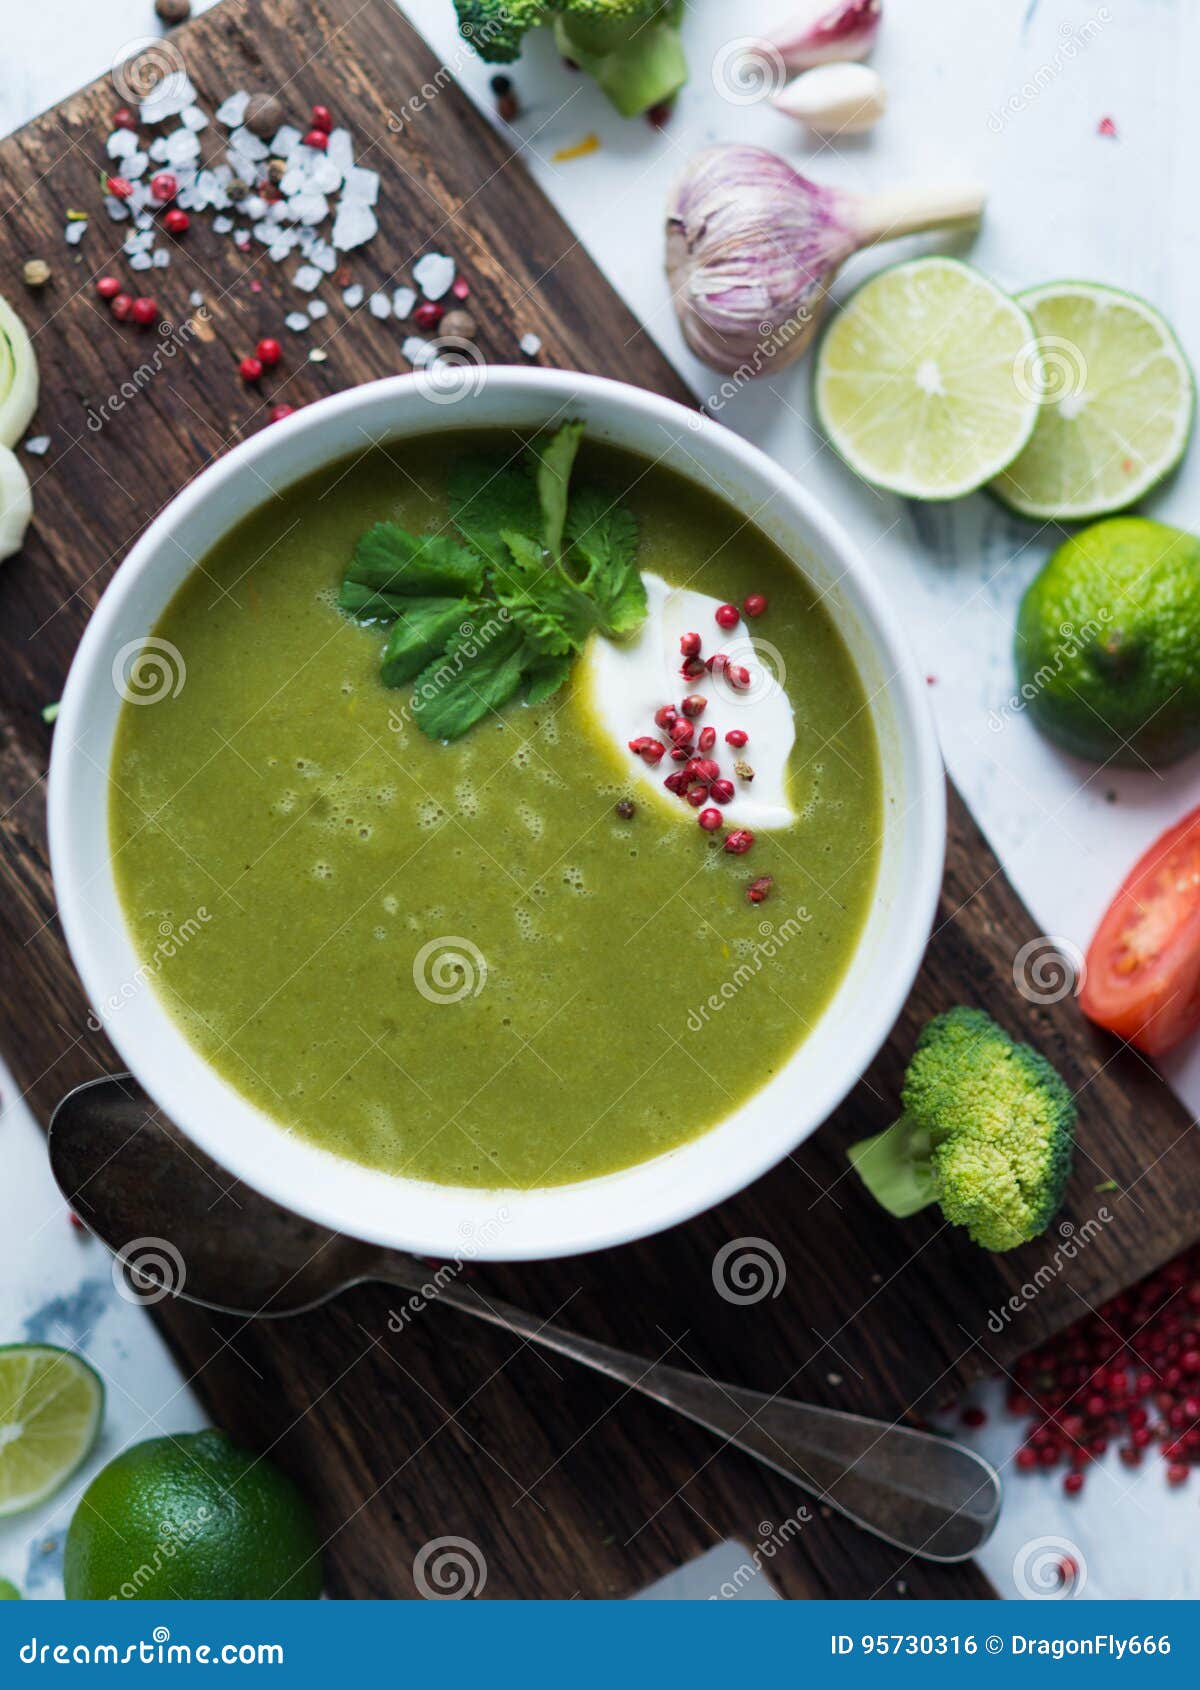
(896, 973)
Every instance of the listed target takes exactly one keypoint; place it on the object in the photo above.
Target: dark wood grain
(440, 1428)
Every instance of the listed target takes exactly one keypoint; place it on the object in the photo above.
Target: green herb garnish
(537, 569)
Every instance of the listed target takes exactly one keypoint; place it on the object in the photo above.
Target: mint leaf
(421, 630)
(489, 493)
(554, 615)
(390, 561)
(555, 459)
(604, 536)
(470, 678)
(546, 676)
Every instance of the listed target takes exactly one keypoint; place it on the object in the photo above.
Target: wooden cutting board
(445, 1429)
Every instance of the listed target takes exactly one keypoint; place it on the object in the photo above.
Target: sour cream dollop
(625, 682)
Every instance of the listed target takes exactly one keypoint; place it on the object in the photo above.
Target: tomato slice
(1143, 966)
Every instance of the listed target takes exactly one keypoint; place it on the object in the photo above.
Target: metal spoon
(133, 1178)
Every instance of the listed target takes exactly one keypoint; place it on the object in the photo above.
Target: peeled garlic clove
(841, 99)
(16, 503)
(825, 32)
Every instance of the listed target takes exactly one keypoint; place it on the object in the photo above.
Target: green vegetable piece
(555, 460)
(392, 562)
(9, 1591)
(489, 493)
(987, 1132)
(554, 615)
(604, 535)
(421, 630)
(546, 676)
(633, 48)
(476, 673)
(1108, 644)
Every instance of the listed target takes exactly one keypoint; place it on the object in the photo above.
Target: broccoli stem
(895, 1167)
(646, 69)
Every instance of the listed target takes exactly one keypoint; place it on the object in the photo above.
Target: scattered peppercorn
(237, 189)
(508, 108)
(176, 222)
(108, 287)
(742, 770)
(759, 890)
(144, 311)
(276, 171)
(322, 119)
(278, 412)
(36, 273)
(626, 809)
(660, 115)
(501, 85)
(121, 304)
(268, 352)
(263, 115)
(164, 185)
(173, 11)
(123, 118)
(428, 315)
(119, 187)
(459, 325)
(250, 369)
(317, 139)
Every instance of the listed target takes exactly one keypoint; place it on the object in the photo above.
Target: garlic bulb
(841, 99)
(753, 248)
(826, 31)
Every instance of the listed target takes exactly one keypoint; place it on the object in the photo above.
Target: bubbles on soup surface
(430, 814)
(533, 823)
(322, 871)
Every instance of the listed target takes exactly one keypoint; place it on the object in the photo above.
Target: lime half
(1117, 398)
(50, 1408)
(914, 379)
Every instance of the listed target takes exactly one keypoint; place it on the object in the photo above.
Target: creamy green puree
(457, 962)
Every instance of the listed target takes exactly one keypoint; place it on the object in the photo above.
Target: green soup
(459, 962)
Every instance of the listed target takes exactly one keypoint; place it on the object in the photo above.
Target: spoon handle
(925, 1494)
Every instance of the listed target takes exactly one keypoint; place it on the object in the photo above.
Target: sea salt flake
(296, 321)
(222, 225)
(285, 141)
(158, 149)
(254, 207)
(116, 209)
(74, 232)
(320, 253)
(195, 297)
(434, 274)
(361, 186)
(403, 301)
(379, 306)
(250, 145)
(279, 250)
(183, 145)
(307, 278)
(136, 166)
(317, 356)
(310, 209)
(194, 118)
(38, 445)
(242, 240)
(353, 295)
(418, 352)
(174, 94)
(340, 149)
(353, 225)
(233, 110)
(121, 143)
(531, 345)
(325, 177)
(161, 258)
(317, 309)
(293, 181)
(140, 261)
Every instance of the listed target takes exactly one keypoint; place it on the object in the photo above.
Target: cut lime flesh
(51, 1404)
(1117, 404)
(915, 379)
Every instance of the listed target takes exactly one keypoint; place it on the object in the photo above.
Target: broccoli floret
(631, 47)
(987, 1132)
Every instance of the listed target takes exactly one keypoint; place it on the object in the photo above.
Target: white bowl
(445, 1221)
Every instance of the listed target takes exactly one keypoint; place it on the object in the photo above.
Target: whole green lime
(9, 1591)
(191, 1518)
(1108, 644)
